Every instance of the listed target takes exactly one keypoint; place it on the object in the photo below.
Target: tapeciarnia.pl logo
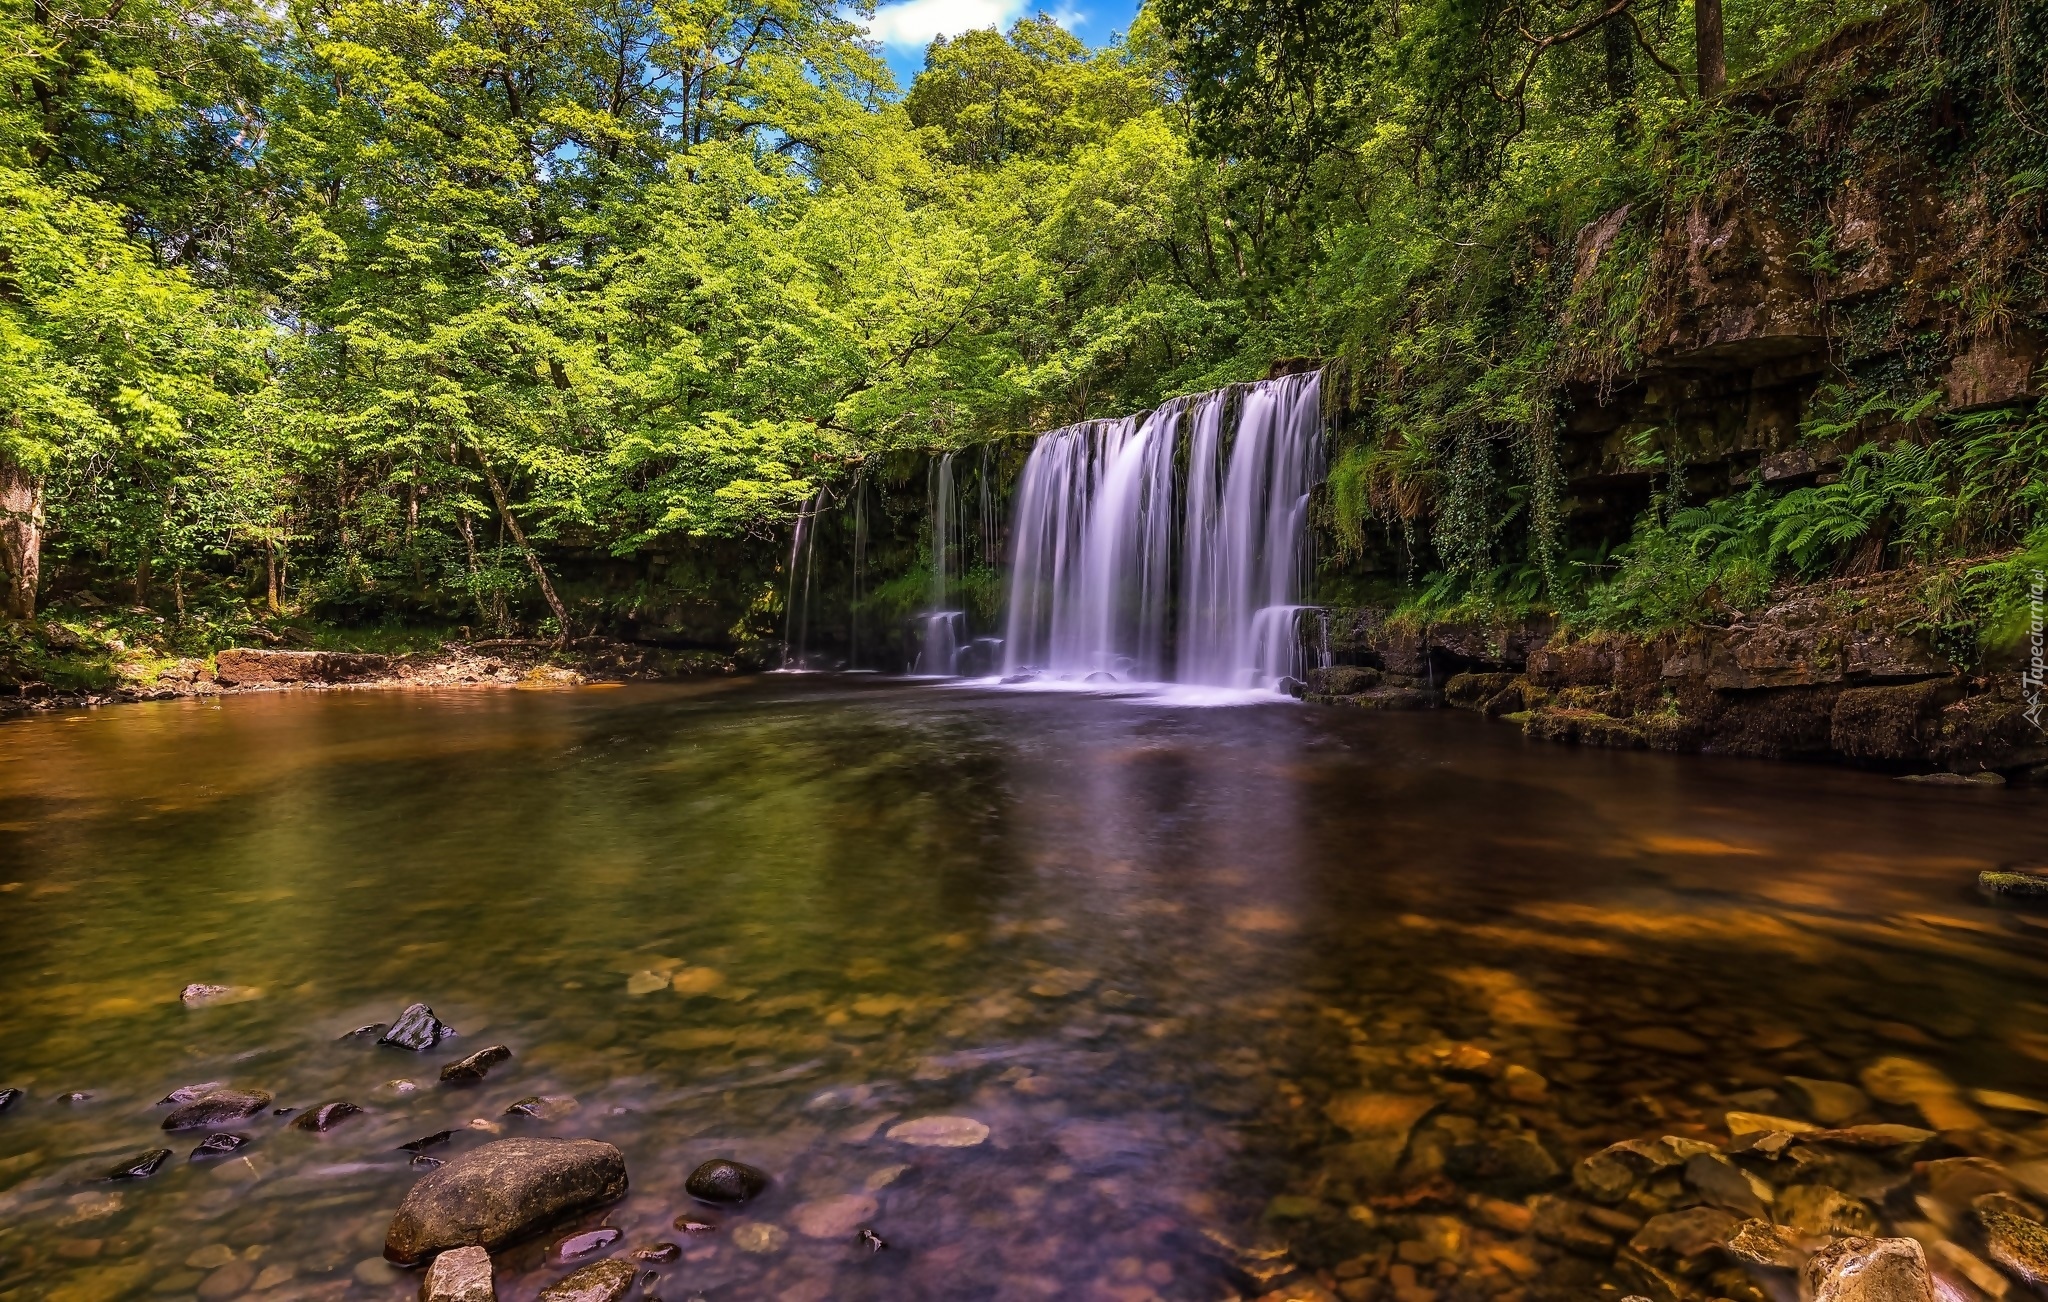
(2037, 664)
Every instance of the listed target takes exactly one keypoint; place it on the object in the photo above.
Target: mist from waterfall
(1120, 574)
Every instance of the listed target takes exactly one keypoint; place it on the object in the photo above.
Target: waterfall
(796, 625)
(1101, 535)
(945, 629)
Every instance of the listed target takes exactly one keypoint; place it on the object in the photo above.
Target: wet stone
(425, 1142)
(366, 1031)
(939, 1132)
(722, 1180)
(603, 1281)
(199, 995)
(1830, 1102)
(2015, 886)
(1725, 1184)
(542, 1107)
(658, 1252)
(216, 1106)
(2015, 1240)
(141, 1168)
(582, 1244)
(416, 1029)
(693, 1227)
(473, 1068)
(870, 1240)
(459, 1275)
(1761, 1243)
(760, 1238)
(219, 1144)
(503, 1191)
(9, 1097)
(1685, 1233)
(326, 1117)
(186, 1093)
(1869, 1270)
(1817, 1210)
(833, 1218)
(230, 1280)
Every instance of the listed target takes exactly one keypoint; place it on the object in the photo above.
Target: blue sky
(905, 27)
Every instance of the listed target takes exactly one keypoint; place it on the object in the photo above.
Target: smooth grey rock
(417, 1029)
(470, 1070)
(1869, 1270)
(460, 1275)
(503, 1191)
(722, 1180)
(216, 1106)
(602, 1281)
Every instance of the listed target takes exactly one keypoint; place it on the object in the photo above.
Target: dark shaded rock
(506, 1190)
(658, 1252)
(1891, 723)
(1560, 1221)
(216, 1106)
(1584, 728)
(1725, 1184)
(1684, 1234)
(422, 1162)
(1470, 691)
(582, 1244)
(239, 666)
(2017, 886)
(9, 1097)
(186, 1093)
(603, 1281)
(1342, 680)
(425, 1142)
(141, 1168)
(542, 1107)
(722, 1181)
(326, 1117)
(460, 1275)
(417, 1029)
(472, 1069)
(1287, 685)
(364, 1031)
(1981, 779)
(219, 1144)
(1868, 1270)
(870, 1240)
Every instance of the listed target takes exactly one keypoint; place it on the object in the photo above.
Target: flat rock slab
(215, 1107)
(506, 1190)
(603, 1281)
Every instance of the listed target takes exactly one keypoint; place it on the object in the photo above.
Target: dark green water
(1146, 945)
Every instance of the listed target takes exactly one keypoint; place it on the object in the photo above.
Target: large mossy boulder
(502, 1192)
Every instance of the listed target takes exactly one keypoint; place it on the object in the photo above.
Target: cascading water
(1100, 535)
(944, 629)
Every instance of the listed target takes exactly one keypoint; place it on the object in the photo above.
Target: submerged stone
(833, 1218)
(506, 1190)
(216, 1106)
(141, 1168)
(9, 1097)
(658, 1252)
(939, 1132)
(416, 1029)
(186, 1093)
(198, 995)
(582, 1244)
(425, 1142)
(365, 1031)
(722, 1180)
(326, 1117)
(542, 1107)
(472, 1069)
(460, 1275)
(219, 1144)
(603, 1281)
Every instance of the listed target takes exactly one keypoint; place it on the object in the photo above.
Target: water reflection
(1205, 975)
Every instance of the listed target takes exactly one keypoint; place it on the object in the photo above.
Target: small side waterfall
(1120, 577)
(945, 629)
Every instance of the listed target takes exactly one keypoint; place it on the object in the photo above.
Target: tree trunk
(21, 538)
(1710, 50)
(540, 574)
(270, 573)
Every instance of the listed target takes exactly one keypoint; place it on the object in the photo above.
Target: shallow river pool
(1252, 1001)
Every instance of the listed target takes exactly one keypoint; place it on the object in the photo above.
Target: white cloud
(911, 24)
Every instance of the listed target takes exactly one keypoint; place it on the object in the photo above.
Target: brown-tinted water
(1251, 1000)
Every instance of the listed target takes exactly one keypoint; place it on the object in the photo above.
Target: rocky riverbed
(992, 997)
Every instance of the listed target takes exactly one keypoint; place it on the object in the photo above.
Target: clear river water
(1249, 999)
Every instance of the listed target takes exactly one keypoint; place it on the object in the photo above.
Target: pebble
(211, 1257)
(473, 1068)
(645, 983)
(658, 1252)
(697, 980)
(722, 1180)
(326, 1117)
(1830, 1102)
(760, 1237)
